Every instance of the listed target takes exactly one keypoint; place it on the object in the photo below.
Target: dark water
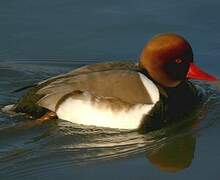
(39, 39)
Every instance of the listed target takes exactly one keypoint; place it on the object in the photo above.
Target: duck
(122, 94)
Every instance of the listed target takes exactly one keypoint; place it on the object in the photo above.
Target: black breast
(181, 100)
(175, 104)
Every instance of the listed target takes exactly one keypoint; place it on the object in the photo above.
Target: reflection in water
(175, 155)
(177, 151)
(62, 145)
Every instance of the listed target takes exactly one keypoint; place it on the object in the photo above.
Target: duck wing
(124, 85)
(28, 102)
(46, 94)
(119, 65)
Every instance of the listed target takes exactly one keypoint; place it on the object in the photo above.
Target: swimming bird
(126, 95)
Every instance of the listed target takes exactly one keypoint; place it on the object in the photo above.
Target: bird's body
(114, 94)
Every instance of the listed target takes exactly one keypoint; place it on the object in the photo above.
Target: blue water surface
(40, 39)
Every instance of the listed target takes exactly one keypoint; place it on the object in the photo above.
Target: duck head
(168, 59)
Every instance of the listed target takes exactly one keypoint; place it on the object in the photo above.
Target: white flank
(83, 111)
(151, 88)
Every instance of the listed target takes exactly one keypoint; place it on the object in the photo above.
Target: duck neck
(160, 79)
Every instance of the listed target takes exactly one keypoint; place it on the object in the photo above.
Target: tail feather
(23, 88)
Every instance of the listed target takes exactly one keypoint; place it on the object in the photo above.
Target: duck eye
(178, 61)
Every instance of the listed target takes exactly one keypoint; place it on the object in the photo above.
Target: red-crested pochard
(123, 95)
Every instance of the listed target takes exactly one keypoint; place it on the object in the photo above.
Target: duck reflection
(177, 151)
(169, 149)
(174, 155)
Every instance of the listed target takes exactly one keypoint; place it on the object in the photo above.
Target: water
(40, 39)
